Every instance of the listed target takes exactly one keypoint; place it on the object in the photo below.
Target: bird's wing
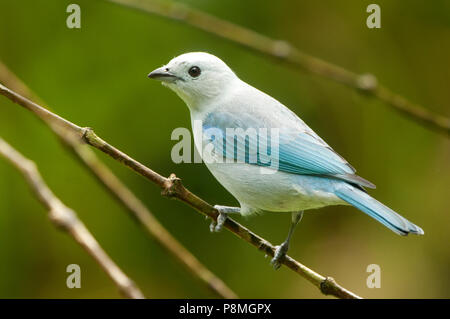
(300, 150)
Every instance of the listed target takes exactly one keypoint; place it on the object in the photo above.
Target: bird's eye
(194, 71)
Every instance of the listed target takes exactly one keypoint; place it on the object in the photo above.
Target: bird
(292, 170)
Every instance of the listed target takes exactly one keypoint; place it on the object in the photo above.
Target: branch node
(172, 186)
(366, 82)
(281, 49)
(328, 286)
(62, 216)
(91, 138)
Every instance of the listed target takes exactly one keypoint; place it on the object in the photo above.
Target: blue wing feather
(299, 152)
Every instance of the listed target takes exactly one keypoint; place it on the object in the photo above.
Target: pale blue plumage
(299, 152)
(303, 154)
(308, 174)
(377, 210)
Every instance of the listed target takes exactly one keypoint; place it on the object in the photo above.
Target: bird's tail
(377, 210)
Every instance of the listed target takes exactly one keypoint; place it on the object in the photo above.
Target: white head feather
(197, 77)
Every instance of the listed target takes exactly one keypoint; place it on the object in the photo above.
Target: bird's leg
(223, 214)
(281, 250)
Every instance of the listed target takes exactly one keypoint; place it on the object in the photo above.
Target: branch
(173, 188)
(127, 199)
(65, 218)
(287, 53)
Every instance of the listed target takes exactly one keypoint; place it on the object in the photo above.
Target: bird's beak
(162, 74)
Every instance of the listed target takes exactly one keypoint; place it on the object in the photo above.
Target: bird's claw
(212, 226)
(216, 226)
(280, 253)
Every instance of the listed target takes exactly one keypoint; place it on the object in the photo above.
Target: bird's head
(197, 77)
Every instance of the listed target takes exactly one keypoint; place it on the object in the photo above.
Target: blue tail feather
(377, 210)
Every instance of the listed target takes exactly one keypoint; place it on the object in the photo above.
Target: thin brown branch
(287, 53)
(172, 187)
(66, 219)
(126, 198)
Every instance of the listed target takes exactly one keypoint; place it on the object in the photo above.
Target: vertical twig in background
(126, 198)
(65, 218)
(173, 188)
(287, 53)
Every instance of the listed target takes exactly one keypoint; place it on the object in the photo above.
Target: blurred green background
(96, 76)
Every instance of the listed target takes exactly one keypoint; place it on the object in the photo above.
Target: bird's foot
(216, 226)
(280, 253)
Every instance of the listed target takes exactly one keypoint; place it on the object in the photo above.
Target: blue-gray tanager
(294, 169)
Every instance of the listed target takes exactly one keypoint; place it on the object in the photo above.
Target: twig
(66, 219)
(287, 53)
(172, 187)
(126, 198)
